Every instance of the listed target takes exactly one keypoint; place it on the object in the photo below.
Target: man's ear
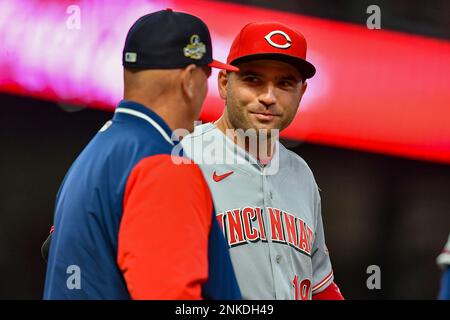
(302, 91)
(222, 82)
(304, 86)
(188, 81)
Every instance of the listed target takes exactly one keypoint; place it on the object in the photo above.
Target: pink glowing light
(374, 90)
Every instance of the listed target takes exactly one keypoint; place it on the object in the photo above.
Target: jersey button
(278, 258)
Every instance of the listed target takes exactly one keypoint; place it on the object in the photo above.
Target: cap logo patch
(269, 36)
(130, 56)
(195, 49)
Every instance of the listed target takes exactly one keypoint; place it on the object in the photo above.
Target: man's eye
(286, 84)
(251, 79)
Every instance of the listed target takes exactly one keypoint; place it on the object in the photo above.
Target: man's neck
(264, 149)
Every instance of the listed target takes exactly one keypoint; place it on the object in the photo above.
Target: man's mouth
(264, 116)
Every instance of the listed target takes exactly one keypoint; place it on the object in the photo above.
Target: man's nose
(267, 97)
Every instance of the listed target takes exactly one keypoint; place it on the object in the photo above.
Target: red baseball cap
(271, 40)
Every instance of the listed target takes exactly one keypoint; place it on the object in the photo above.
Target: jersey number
(301, 289)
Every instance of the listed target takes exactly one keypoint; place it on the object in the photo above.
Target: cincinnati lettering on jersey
(248, 225)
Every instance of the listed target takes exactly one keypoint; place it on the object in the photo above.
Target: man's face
(201, 75)
(264, 94)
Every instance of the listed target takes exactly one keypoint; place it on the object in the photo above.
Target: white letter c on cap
(269, 36)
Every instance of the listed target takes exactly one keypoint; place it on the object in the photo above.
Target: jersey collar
(269, 165)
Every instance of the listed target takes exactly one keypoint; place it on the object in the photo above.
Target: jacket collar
(140, 111)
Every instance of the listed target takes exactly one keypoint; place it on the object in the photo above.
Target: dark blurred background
(378, 210)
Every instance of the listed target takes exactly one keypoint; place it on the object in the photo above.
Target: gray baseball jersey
(270, 215)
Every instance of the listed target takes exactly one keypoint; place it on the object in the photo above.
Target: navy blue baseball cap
(169, 40)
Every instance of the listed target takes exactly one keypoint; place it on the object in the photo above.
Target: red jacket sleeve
(163, 236)
(332, 292)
